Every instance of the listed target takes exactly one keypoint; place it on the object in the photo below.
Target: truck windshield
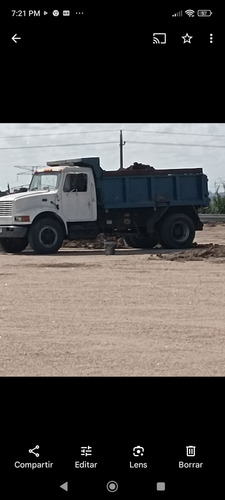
(45, 181)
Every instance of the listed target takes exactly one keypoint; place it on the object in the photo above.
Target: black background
(103, 66)
(113, 415)
(109, 71)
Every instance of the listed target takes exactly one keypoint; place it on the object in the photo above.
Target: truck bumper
(13, 231)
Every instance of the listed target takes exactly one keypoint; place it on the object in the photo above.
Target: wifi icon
(190, 13)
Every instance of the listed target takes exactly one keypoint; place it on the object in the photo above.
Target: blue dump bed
(144, 186)
(150, 188)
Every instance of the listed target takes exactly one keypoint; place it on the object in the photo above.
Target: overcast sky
(169, 145)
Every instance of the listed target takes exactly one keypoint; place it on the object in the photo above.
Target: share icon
(35, 448)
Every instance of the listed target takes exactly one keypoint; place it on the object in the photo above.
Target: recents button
(160, 486)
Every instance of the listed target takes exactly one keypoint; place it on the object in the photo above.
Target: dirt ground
(135, 313)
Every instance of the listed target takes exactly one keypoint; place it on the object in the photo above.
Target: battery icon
(204, 13)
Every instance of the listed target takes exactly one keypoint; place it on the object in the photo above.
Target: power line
(109, 130)
(175, 144)
(61, 145)
(112, 142)
(59, 133)
(176, 133)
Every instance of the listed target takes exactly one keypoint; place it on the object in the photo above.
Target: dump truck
(75, 199)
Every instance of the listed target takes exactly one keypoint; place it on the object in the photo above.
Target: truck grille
(5, 208)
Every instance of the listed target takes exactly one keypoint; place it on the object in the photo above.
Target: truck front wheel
(46, 236)
(177, 231)
(142, 242)
(14, 245)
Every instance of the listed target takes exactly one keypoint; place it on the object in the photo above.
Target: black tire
(177, 231)
(14, 245)
(142, 242)
(46, 236)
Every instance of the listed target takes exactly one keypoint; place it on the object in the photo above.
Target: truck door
(79, 197)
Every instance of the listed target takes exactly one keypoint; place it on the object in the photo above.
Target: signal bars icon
(178, 14)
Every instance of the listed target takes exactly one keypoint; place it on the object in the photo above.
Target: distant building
(20, 190)
(212, 195)
(4, 193)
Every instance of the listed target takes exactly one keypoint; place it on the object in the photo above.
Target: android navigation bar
(64, 486)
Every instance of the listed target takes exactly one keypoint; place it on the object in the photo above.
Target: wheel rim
(180, 231)
(48, 236)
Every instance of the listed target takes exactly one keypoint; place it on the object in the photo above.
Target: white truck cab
(58, 198)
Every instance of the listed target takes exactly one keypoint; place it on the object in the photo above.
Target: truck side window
(75, 182)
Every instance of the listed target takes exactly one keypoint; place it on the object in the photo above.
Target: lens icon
(112, 486)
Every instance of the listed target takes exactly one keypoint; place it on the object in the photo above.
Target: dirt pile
(97, 243)
(198, 252)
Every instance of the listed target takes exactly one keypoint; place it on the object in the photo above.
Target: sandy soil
(135, 313)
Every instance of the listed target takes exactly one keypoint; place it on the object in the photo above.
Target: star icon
(187, 38)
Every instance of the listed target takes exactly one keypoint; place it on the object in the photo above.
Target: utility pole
(122, 143)
(28, 170)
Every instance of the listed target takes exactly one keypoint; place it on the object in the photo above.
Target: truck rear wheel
(46, 236)
(142, 242)
(14, 245)
(177, 231)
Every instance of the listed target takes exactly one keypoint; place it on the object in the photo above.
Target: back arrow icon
(15, 38)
